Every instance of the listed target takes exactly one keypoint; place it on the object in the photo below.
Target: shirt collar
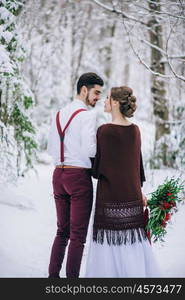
(80, 103)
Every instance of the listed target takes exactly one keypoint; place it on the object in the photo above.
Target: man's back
(80, 136)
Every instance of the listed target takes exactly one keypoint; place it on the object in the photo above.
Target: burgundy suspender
(62, 133)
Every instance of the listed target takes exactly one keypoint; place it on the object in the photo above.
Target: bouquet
(162, 205)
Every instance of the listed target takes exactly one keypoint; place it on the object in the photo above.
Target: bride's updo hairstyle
(127, 101)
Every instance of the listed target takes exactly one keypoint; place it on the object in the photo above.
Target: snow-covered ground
(28, 225)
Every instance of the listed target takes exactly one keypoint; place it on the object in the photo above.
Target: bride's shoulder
(103, 126)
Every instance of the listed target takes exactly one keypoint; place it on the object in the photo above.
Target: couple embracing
(119, 246)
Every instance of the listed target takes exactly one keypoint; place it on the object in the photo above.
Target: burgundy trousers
(73, 194)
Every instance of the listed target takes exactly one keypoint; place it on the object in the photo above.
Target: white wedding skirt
(130, 260)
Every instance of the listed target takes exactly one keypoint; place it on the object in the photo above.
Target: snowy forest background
(45, 45)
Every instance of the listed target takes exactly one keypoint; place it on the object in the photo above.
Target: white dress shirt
(80, 136)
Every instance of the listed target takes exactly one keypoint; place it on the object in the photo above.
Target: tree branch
(119, 12)
(140, 59)
(182, 56)
(168, 59)
(160, 12)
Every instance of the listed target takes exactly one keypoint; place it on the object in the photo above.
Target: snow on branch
(161, 12)
(140, 59)
(151, 12)
(119, 12)
(168, 58)
(146, 65)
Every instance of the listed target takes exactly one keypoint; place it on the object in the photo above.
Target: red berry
(166, 205)
(163, 223)
(167, 217)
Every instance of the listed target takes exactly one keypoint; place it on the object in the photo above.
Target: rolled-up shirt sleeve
(88, 133)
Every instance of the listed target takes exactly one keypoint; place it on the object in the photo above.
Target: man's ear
(84, 90)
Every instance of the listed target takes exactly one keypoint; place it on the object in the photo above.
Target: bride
(119, 246)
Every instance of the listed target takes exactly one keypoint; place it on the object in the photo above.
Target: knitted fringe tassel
(119, 237)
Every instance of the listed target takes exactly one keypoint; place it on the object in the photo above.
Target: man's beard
(88, 102)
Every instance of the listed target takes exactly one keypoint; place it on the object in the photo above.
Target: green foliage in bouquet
(162, 204)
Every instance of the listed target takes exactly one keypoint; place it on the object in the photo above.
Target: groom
(71, 143)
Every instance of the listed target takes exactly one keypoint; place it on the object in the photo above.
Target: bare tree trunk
(160, 104)
(78, 40)
(82, 45)
(106, 51)
(112, 30)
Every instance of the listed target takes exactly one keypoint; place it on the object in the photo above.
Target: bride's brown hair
(124, 95)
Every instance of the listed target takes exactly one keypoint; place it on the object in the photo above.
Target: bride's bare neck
(118, 118)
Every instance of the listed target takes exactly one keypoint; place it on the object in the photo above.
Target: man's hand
(144, 199)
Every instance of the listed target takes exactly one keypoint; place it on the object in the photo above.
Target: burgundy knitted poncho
(118, 166)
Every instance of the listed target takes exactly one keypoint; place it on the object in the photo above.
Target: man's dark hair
(89, 80)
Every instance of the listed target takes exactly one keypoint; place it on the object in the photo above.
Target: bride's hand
(144, 199)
